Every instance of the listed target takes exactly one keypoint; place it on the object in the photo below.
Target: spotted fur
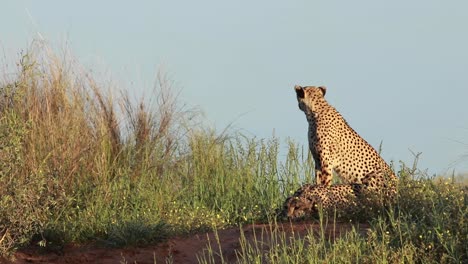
(335, 146)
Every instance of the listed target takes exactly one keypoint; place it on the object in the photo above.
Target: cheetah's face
(298, 207)
(310, 98)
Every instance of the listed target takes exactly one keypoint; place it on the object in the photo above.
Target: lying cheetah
(309, 198)
(335, 146)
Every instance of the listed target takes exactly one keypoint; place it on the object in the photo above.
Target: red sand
(180, 249)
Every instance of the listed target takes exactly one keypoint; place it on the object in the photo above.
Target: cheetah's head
(299, 207)
(310, 98)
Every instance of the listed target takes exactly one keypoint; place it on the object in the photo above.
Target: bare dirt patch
(179, 249)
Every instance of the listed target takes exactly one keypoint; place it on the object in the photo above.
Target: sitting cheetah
(335, 146)
(307, 200)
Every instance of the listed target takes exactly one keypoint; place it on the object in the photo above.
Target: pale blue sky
(396, 70)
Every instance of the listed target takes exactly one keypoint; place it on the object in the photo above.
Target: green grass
(428, 224)
(81, 164)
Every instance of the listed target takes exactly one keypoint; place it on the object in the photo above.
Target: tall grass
(81, 163)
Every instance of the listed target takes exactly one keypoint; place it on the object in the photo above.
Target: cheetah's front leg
(323, 174)
(323, 170)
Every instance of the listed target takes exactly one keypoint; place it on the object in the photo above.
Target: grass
(79, 163)
(428, 224)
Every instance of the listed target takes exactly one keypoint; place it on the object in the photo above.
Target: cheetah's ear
(299, 91)
(324, 89)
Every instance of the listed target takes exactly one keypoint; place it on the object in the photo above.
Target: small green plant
(136, 233)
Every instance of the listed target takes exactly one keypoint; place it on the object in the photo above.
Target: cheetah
(335, 146)
(309, 198)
